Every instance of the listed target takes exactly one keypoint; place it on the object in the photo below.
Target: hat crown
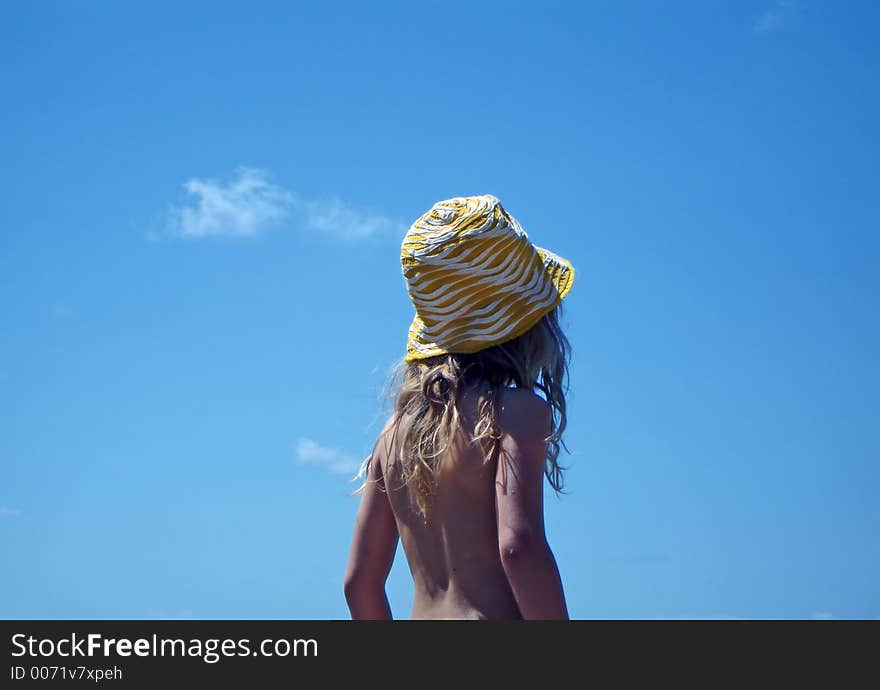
(452, 223)
(474, 277)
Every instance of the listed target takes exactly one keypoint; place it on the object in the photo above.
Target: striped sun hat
(475, 279)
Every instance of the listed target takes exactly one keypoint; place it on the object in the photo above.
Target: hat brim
(561, 273)
(560, 269)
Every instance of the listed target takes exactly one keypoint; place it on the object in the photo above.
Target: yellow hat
(475, 279)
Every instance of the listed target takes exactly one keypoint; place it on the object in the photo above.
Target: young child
(457, 473)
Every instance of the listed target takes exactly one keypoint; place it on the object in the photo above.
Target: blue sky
(201, 294)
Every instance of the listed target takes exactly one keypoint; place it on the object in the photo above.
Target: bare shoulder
(525, 423)
(388, 424)
(386, 437)
(525, 414)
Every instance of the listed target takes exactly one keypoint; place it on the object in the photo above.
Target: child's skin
(483, 553)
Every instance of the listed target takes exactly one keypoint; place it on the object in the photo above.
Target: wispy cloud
(7, 512)
(333, 459)
(821, 616)
(780, 14)
(251, 203)
(335, 217)
(243, 207)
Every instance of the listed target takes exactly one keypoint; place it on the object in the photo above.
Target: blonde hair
(425, 392)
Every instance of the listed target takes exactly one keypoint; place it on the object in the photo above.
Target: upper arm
(375, 537)
(519, 482)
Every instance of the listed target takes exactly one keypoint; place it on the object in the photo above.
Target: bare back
(454, 556)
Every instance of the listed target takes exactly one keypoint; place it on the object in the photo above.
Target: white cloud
(242, 208)
(250, 204)
(781, 14)
(337, 461)
(7, 512)
(821, 616)
(335, 217)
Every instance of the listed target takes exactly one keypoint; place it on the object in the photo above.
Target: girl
(457, 472)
